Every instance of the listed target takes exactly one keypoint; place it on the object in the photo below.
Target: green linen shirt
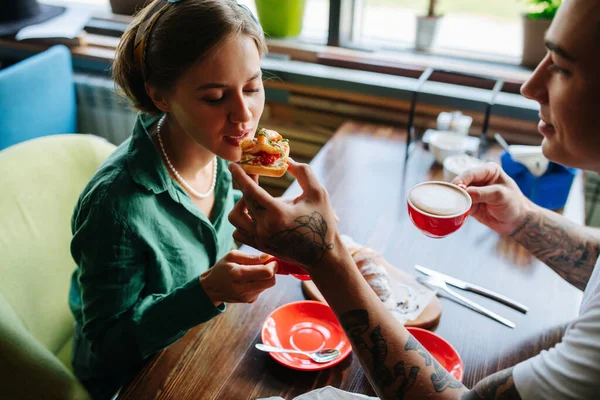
(140, 245)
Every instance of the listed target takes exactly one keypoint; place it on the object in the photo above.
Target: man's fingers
(493, 194)
(249, 187)
(244, 238)
(305, 176)
(474, 209)
(240, 218)
(480, 176)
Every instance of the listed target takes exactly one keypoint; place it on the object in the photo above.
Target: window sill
(404, 63)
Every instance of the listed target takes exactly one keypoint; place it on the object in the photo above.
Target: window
(475, 28)
(316, 20)
(314, 29)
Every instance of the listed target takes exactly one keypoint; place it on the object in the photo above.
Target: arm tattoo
(307, 241)
(395, 382)
(499, 386)
(568, 249)
(440, 378)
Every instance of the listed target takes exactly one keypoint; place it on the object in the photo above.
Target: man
(567, 86)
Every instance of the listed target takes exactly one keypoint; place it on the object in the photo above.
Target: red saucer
(441, 350)
(306, 326)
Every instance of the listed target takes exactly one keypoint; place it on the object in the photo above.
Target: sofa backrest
(40, 182)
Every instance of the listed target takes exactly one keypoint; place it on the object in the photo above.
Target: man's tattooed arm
(567, 248)
(499, 386)
(394, 380)
(440, 378)
(307, 242)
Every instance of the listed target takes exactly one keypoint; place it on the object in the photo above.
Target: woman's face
(567, 86)
(219, 100)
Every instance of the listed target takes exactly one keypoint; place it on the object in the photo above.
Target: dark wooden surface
(362, 168)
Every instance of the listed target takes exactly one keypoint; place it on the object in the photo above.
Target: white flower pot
(534, 48)
(426, 32)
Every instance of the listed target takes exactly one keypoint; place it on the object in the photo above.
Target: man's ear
(158, 98)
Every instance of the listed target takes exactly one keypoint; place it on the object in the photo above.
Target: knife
(473, 288)
(447, 292)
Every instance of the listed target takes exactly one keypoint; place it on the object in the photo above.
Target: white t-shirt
(571, 369)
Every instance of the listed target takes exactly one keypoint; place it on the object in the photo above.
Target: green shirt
(140, 245)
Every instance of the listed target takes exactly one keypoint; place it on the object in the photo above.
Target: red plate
(306, 326)
(441, 350)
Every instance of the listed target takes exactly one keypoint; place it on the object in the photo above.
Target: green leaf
(543, 9)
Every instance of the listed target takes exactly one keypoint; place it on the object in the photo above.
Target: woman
(151, 239)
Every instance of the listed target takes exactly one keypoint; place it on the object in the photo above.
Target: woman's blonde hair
(187, 31)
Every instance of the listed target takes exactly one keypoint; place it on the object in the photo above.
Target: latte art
(439, 199)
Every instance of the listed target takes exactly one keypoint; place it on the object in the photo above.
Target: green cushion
(64, 354)
(41, 180)
(27, 369)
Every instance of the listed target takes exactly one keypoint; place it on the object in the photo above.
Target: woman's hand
(301, 231)
(497, 200)
(238, 278)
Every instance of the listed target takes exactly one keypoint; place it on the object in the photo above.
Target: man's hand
(301, 231)
(497, 200)
(567, 248)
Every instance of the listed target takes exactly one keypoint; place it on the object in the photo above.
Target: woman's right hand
(497, 200)
(238, 278)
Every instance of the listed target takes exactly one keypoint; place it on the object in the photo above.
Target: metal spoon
(321, 356)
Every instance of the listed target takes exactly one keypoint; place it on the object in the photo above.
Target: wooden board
(428, 319)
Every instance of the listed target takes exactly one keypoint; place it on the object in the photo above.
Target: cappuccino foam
(439, 199)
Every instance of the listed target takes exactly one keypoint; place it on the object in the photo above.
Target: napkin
(68, 25)
(327, 393)
(410, 297)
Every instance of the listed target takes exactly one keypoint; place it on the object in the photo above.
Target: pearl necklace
(179, 178)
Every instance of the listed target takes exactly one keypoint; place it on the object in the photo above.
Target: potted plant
(535, 24)
(281, 18)
(427, 26)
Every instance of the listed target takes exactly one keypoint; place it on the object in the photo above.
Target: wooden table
(362, 168)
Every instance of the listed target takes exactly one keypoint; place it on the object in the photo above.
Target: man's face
(567, 86)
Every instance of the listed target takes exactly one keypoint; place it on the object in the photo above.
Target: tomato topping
(264, 158)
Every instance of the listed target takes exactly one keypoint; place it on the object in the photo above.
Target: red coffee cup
(286, 268)
(438, 226)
